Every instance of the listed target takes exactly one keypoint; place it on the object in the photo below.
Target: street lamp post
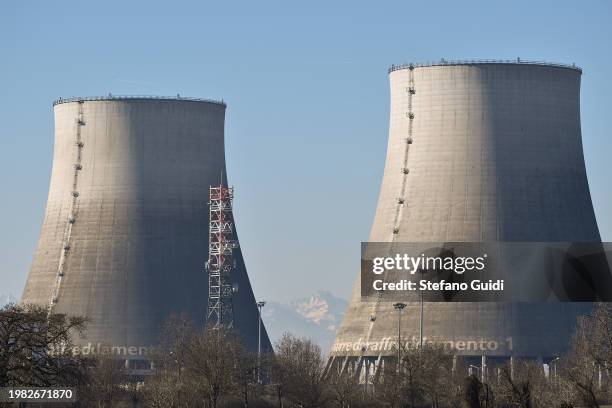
(399, 307)
(422, 313)
(260, 305)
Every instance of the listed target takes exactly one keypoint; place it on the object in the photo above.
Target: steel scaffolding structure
(220, 257)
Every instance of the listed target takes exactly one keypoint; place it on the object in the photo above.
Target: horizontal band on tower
(517, 61)
(135, 97)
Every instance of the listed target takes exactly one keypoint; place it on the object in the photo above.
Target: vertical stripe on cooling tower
(72, 213)
(401, 199)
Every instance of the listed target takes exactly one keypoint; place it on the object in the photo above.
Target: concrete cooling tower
(125, 234)
(477, 151)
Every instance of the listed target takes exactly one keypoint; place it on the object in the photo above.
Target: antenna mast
(221, 244)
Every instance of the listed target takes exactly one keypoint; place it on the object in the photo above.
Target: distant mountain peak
(317, 317)
(320, 307)
(6, 298)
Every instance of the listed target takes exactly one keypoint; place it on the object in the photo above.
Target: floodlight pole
(260, 305)
(399, 307)
(422, 314)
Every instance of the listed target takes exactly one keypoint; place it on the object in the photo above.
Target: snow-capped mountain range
(316, 317)
(6, 298)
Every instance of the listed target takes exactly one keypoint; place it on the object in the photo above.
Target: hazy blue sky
(307, 93)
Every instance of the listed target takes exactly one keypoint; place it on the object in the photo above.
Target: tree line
(210, 368)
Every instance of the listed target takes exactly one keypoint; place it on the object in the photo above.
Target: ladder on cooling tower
(405, 170)
(73, 211)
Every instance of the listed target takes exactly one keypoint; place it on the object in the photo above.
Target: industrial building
(125, 238)
(478, 151)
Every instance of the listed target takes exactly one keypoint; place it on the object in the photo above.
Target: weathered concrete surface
(496, 155)
(140, 236)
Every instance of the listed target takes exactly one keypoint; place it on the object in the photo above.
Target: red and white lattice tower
(220, 257)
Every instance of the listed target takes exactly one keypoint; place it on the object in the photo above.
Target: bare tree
(344, 388)
(527, 385)
(389, 386)
(425, 376)
(598, 327)
(579, 367)
(171, 384)
(588, 364)
(159, 390)
(413, 371)
(108, 383)
(517, 385)
(247, 381)
(212, 358)
(36, 348)
(438, 382)
(176, 338)
(472, 392)
(299, 370)
(425, 373)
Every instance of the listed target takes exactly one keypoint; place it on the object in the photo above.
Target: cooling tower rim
(73, 99)
(443, 63)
